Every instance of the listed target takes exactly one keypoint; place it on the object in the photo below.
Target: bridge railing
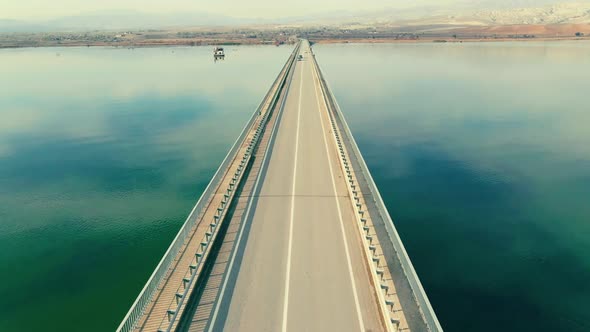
(411, 280)
(145, 296)
(209, 238)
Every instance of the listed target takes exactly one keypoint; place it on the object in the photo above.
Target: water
(480, 152)
(482, 155)
(103, 153)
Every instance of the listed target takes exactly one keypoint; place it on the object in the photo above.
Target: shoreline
(281, 34)
(177, 43)
(449, 40)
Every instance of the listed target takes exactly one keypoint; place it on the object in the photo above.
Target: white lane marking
(351, 274)
(247, 213)
(290, 242)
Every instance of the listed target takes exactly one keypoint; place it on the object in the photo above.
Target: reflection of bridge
(291, 233)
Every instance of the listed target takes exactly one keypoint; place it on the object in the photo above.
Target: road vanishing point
(290, 235)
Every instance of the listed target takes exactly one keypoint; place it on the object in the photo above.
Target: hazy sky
(32, 9)
(240, 8)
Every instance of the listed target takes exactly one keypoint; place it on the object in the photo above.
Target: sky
(18, 9)
(47, 9)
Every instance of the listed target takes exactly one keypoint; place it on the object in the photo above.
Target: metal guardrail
(138, 307)
(210, 236)
(391, 323)
(210, 326)
(425, 308)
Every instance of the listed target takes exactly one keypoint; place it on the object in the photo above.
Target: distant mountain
(120, 20)
(460, 12)
(483, 12)
(564, 13)
(19, 26)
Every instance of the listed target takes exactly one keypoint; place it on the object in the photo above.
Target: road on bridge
(300, 265)
(290, 235)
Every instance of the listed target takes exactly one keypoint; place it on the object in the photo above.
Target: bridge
(291, 233)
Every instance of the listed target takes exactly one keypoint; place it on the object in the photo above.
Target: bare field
(277, 35)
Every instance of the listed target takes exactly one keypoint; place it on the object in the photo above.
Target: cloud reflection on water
(103, 152)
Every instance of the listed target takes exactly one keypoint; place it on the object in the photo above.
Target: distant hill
(486, 13)
(565, 13)
(464, 13)
(19, 26)
(120, 20)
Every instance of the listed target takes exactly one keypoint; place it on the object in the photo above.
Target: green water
(480, 152)
(482, 155)
(103, 153)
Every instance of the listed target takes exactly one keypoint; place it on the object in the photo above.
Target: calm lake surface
(481, 153)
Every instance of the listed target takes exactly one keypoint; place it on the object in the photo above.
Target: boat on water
(218, 52)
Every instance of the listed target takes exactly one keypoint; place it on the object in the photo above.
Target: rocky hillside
(566, 13)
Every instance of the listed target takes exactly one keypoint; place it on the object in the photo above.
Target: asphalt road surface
(299, 266)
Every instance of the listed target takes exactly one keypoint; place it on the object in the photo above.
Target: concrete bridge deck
(297, 240)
